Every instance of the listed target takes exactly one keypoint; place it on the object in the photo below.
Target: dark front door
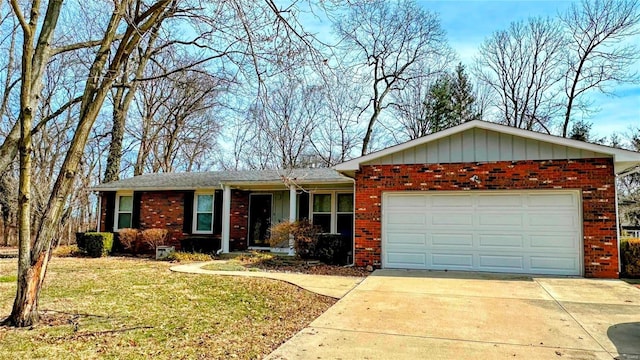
(259, 219)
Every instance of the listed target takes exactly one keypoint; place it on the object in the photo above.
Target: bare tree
(37, 36)
(337, 134)
(386, 41)
(600, 52)
(523, 65)
(281, 122)
(177, 126)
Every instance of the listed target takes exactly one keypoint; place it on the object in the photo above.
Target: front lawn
(133, 308)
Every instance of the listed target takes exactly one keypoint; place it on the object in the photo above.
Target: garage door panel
(552, 219)
(501, 240)
(505, 262)
(452, 261)
(554, 242)
(404, 201)
(566, 265)
(451, 201)
(567, 200)
(499, 219)
(452, 219)
(504, 231)
(407, 238)
(407, 259)
(493, 201)
(407, 218)
(451, 239)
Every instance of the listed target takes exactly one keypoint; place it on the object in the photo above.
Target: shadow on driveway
(626, 338)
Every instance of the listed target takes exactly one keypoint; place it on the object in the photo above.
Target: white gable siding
(479, 145)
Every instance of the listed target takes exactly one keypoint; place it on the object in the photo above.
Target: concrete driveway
(400, 314)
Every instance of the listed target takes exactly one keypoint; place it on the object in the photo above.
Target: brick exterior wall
(594, 177)
(239, 220)
(163, 210)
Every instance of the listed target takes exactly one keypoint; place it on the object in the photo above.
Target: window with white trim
(333, 212)
(203, 213)
(124, 211)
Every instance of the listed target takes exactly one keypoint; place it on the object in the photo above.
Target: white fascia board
(162, 188)
(346, 181)
(619, 155)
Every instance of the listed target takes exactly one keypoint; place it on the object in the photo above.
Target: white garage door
(537, 232)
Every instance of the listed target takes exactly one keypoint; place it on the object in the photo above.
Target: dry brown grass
(132, 308)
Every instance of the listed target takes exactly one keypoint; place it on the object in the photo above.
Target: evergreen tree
(463, 102)
(450, 101)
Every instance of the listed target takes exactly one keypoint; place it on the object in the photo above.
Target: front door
(259, 219)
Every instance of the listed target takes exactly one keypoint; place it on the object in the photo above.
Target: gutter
(629, 171)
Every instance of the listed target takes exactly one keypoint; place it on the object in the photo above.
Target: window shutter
(187, 225)
(217, 212)
(109, 197)
(135, 212)
(303, 206)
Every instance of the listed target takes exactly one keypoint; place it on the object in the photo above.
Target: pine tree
(450, 101)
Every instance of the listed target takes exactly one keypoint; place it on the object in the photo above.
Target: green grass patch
(133, 308)
(8, 278)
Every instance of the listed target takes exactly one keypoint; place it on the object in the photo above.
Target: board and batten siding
(479, 145)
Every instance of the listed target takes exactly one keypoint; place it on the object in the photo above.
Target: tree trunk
(122, 102)
(112, 170)
(32, 264)
(25, 305)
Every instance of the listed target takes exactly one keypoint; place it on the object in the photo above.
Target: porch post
(226, 217)
(292, 214)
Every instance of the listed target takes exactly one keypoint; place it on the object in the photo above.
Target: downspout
(353, 231)
(618, 226)
(226, 218)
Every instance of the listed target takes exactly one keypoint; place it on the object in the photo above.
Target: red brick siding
(594, 177)
(239, 220)
(163, 210)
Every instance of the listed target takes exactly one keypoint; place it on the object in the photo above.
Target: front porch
(249, 210)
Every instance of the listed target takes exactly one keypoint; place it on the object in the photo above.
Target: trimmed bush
(180, 256)
(129, 239)
(66, 251)
(630, 251)
(305, 237)
(154, 237)
(332, 249)
(97, 244)
(80, 240)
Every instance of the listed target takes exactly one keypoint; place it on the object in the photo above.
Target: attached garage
(487, 197)
(500, 231)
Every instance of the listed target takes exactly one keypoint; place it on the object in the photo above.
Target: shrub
(180, 256)
(66, 251)
(154, 237)
(305, 236)
(129, 239)
(630, 251)
(80, 240)
(332, 249)
(97, 244)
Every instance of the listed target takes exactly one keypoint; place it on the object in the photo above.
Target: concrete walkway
(448, 315)
(333, 286)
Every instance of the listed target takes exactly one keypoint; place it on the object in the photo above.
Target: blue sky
(469, 22)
